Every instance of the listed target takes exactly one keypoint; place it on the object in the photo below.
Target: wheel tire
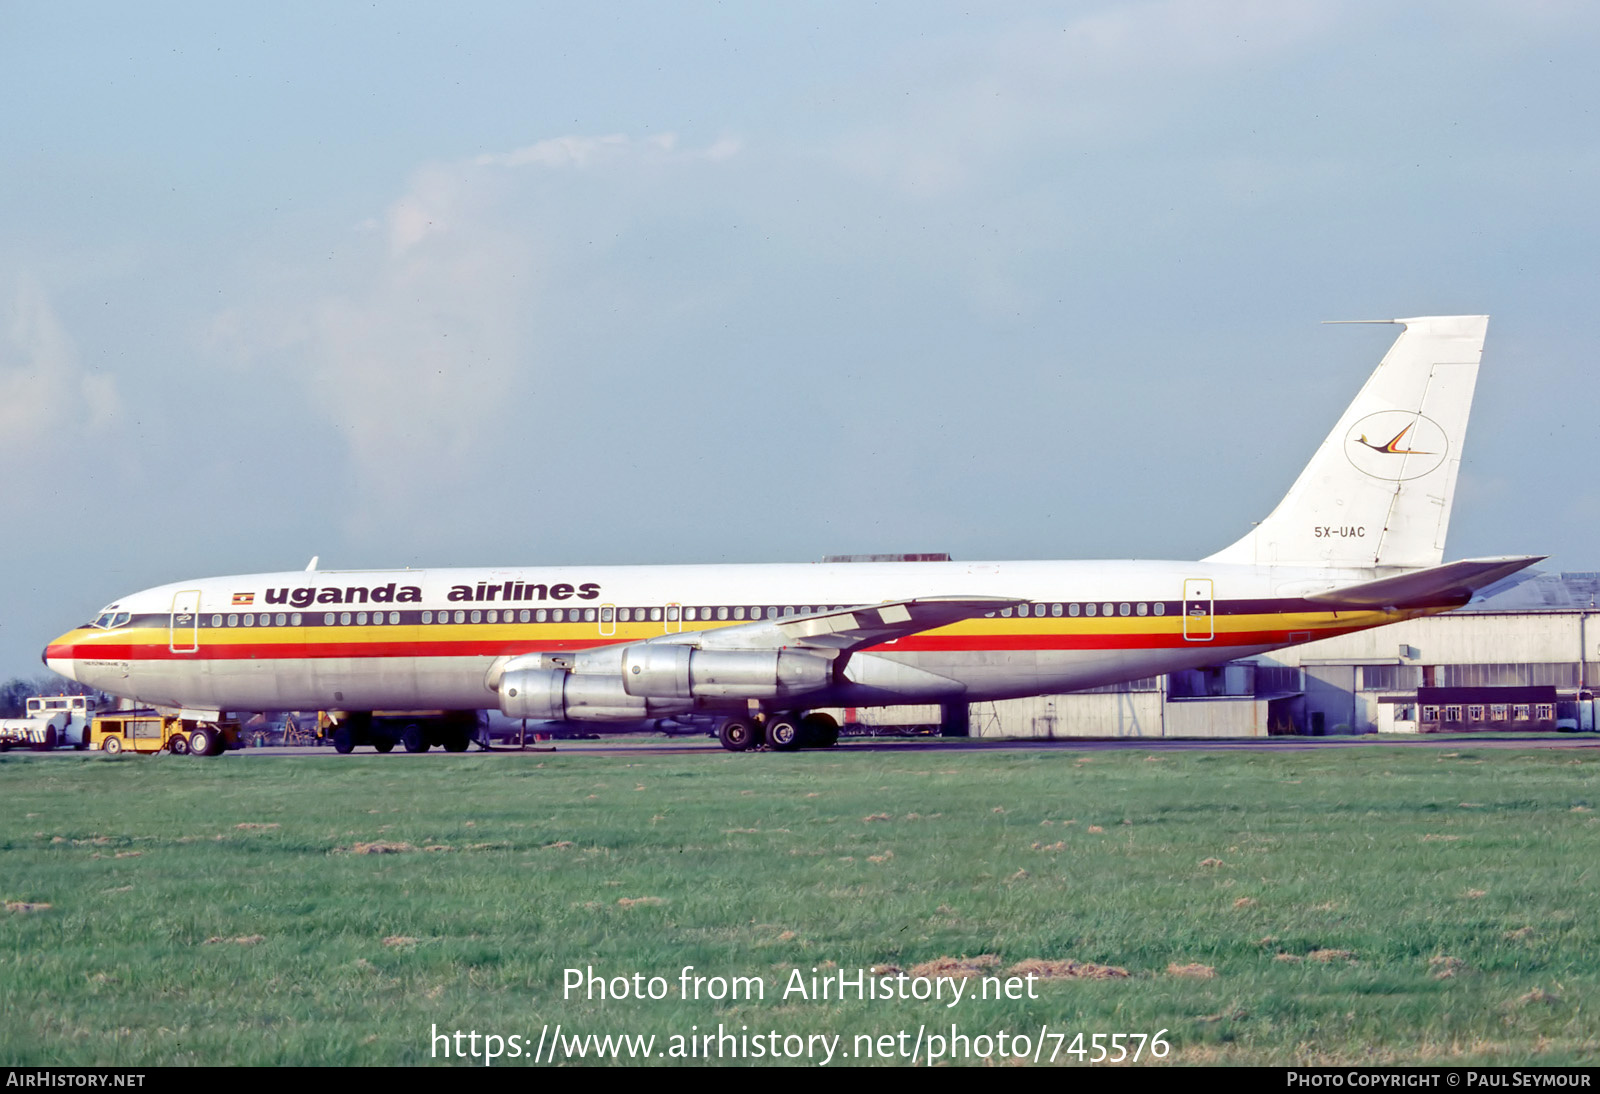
(413, 740)
(204, 741)
(784, 733)
(457, 740)
(111, 746)
(736, 734)
(821, 731)
(178, 744)
(344, 739)
(383, 744)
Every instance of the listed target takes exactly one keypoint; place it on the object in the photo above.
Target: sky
(511, 283)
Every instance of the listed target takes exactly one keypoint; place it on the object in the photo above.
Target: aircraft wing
(1452, 583)
(848, 629)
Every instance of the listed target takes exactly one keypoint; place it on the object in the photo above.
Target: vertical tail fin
(1378, 491)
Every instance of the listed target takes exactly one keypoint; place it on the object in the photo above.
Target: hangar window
(1497, 711)
(1544, 711)
(233, 620)
(1430, 714)
(1522, 711)
(427, 617)
(1388, 677)
(216, 621)
(1475, 713)
(1452, 714)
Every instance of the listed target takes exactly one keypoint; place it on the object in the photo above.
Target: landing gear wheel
(413, 740)
(111, 746)
(204, 742)
(178, 745)
(821, 731)
(344, 739)
(383, 744)
(784, 733)
(736, 734)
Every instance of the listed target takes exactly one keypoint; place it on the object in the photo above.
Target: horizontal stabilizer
(1450, 584)
(849, 629)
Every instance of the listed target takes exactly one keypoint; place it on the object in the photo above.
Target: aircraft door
(184, 635)
(608, 620)
(674, 620)
(1198, 621)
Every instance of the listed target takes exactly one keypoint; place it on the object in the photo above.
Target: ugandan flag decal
(244, 598)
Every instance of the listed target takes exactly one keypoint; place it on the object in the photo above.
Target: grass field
(1360, 906)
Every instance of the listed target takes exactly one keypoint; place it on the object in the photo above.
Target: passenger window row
(1093, 608)
(697, 614)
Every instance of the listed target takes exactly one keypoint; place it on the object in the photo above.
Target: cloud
(586, 152)
(429, 347)
(47, 397)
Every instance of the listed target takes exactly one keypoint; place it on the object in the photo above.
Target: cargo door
(1198, 621)
(184, 636)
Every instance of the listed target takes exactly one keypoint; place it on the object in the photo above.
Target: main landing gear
(783, 731)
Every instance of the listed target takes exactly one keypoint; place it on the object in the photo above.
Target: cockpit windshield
(108, 620)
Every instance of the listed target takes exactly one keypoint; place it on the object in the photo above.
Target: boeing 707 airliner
(1357, 542)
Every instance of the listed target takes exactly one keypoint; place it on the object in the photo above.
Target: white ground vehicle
(51, 721)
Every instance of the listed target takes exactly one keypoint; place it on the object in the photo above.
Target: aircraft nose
(58, 657)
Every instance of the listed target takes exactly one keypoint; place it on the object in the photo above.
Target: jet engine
(670, 671)
(553, 694)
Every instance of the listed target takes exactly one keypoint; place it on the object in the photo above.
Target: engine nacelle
(549, 694)
(661, 670)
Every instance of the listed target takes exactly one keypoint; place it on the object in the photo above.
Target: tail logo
(1396, 445)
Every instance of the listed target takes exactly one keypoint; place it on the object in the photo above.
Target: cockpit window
(121, 619)
(107, 620)
(104, 621)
